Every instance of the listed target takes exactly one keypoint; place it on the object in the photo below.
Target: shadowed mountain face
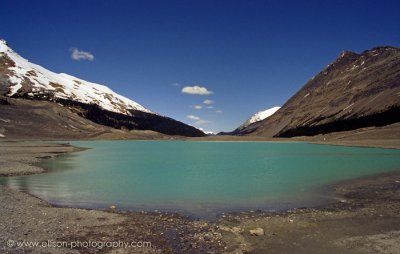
(40, 119)
(20, 79)
(355, 91)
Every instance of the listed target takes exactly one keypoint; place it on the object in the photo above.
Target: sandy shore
(365, 219)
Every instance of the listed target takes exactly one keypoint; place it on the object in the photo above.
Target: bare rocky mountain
(31, 83)
(355, 91)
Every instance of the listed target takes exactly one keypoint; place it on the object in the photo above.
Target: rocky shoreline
(364, 219)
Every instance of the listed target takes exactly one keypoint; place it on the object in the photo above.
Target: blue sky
(251, 54)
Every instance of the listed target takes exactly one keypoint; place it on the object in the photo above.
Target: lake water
(201, 179)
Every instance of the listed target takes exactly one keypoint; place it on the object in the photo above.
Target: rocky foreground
(364, 219)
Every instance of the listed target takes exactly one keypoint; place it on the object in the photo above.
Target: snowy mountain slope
(259, 116)
(30, 80)
(23, 85)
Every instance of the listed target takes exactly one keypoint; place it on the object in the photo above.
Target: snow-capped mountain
(259, 116)
(207, 132)
(30, 80)
(25, 86)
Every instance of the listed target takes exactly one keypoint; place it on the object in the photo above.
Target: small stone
(236, 230)
(113, 207)
(256, 232)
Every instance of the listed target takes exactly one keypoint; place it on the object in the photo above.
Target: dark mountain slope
(355, 91)
(39, 119)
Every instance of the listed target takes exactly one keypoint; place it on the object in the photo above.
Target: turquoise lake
(201, 179)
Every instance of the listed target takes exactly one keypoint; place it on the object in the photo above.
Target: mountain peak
(26, 79)
(345, 57)
(347, 53)
(259, 116)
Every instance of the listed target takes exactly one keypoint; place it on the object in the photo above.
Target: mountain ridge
(21, 79)
(29, 80)
(354, 91)
(257, 117)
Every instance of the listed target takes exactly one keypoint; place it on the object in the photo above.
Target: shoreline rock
(257, 232)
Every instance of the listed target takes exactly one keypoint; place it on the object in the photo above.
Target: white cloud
(78, 55)
(210, 107)
(202, 121)
(199, 90)
(192, 117)
(218, 111)
(208, 102)
(198, 120)
(176, 84)
(197, 106)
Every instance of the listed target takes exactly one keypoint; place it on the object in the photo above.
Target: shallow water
(200, 179)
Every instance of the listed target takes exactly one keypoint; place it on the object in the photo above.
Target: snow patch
(259, 116)
(207, 132)
(3, 46)
(5, 120)
(2, 136)
(348, 107)
(355, 66)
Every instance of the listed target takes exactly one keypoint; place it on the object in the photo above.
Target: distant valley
(355, 92)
